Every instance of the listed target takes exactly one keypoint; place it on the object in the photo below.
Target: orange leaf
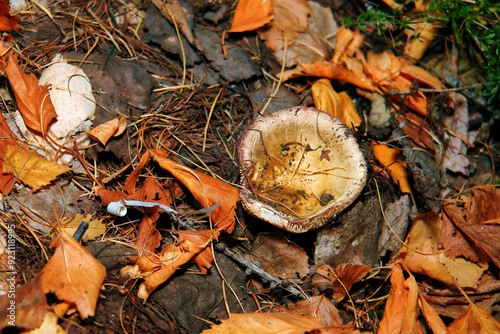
(106, 131)
(74, 275)
(314, 307)
(266, 323)
(395, 307)
(32, 100)
(7, 21)
(131, 180)
(338, 72)
(339, 105)
(7, 138)
(475, 320)
(205, 189)
(172, 258)
(392, 159)
(205, 258)
(251, 14)
(148, 238)
(31, 168)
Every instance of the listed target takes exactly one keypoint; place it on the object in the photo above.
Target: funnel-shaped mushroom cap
(300, 168)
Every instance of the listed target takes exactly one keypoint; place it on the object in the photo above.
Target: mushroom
(300, 167)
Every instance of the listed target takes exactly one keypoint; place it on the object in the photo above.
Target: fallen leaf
(314, 307)
(131, 180)
(420, 254)
(338, 105)
(30, 168)
(396, 305)
(346, 276)
(108, 130)
(205, 189)
(70, 225)
(7, 138)
(420, 35)
(339, 72)
(348, 43)
(261, 323)
(32, 100)
(393, 160)
(73, 274)
(171, 258)
(49, 325)
(289, 18)
(173, 11)
(148, 237)
(251, 14)
(475, 320)
(7, 21)
(29, 308)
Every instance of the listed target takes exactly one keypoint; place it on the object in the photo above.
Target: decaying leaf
(251, 14)
(32, 100)
(70, 225)
(74, 275)
(108, 130)
(392, 159)
(338, 105)
(30, 168)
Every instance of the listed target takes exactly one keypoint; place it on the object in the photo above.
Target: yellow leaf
(338, 105)
(70, 225)
(31, 168)
(392, 159)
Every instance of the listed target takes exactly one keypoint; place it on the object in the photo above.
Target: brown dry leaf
(205, 258)
(339, 72)
(108, 130)
(314, 307)
(337, 105)
(279, 256)
(426, 31)
(431, 317)
(70, 225)
(7, 21)
(73, 274)
(251, 14)
(263, 323)
(289, 18)
(32, 100)
(392, 159)
(172, 257)
(148, 237)
(348, 43)
(205, 189)
(131, 180)
(420, 255)
(479, 223)
(475, 320)
(31, 168)
(173, 8)
(29, 309)
(416, 128)
(348, 274)
(7, 138)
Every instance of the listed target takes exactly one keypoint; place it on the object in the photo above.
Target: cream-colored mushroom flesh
(300, 167)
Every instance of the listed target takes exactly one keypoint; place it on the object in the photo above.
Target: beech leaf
(31, 168)
(32, 100)
(251, 14)
(73, 274)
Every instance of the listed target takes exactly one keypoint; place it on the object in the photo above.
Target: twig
(253, 268)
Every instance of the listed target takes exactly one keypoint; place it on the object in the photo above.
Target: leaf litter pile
(122, 177)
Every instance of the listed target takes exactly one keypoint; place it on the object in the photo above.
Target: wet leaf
(31, 168)
(393, 160)
(251, 14)
(32, 100)
(73, 274)
(108, 130)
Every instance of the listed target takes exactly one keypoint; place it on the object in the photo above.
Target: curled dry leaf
(392, 159)
(205, 189)
(32, 100)
(30, 168)
(106, 131)
(74, 275)
(338, 105)
(251, 14)
(338, 72)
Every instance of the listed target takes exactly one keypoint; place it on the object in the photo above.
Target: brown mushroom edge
(300, 167)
